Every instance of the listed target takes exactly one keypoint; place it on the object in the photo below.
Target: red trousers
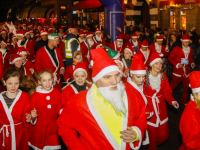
(157, 135)
(185, 81)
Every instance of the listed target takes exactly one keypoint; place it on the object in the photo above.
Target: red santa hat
(159, 38)
(26, 32)
(20, 33)
(3, 31)
(119, 61)
(137, 65)
(194, 78)
(185, 37)
(30, 24)
(89, 34)
(97, 30)
(65, 34)
(4, 42)
(145, 43)
(85, 30)
(130, 49)
(81, 66)
(22, 50)
(154, 58)
(44, 32)
(101, 64)
(120, 37)
(14, 37)
(23, 24)
(81, 33)
(69, 27)
(61, 28)
(14, 58)
(134, 35)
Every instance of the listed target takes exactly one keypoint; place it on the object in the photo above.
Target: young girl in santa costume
(46, 100)
(79, 83)
(157, 90)
(189, 123)
(28, 65)
(68, 76)
(15, 113)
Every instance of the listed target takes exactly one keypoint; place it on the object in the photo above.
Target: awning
(24, 12)
(173, 2)
(38, 12)
(86, 5)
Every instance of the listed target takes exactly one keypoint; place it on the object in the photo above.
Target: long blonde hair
(197, 99)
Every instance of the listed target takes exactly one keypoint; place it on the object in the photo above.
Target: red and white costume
(49, 64)
(157, 90)
(178, 55)
(102, 41)
(114, 45)
(42, 134)
(69, 72)
(5, 57)
(13, 132)
(27, 66)
(136, 44)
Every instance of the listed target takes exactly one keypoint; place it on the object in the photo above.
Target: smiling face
(46, 81)
(157, 66)
(185, 43)
(127, 54)
(12, 84)
(110, 79)
(23, 56)
(18, 63)
(80, 78)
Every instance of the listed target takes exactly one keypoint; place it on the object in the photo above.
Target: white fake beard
(2, 51)
(119, 44)
(98, 38)
(81, 40)
(19, 42)
(32, 35)
(90, 42)
(114, 97)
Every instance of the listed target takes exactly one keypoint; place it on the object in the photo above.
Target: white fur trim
(155, 60)
(145, 46)
(119, 39)
(186, 40)
(89, 35)
(40, 90)
(105, 71)
(19, 34)
(140, 138)
(173, 102)
(134, 36)
(128, 50)
(138, 71)
(3, 43)
(117, 56)
(80, 69)
(159, 39)
(196, 90)
(44, 33)
(53, 37)
(16, 59)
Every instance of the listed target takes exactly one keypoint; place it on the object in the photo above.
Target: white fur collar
(40, 90)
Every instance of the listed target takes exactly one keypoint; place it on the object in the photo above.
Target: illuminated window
(183, 19)
(172, 19)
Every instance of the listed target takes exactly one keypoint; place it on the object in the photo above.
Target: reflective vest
(68, 50)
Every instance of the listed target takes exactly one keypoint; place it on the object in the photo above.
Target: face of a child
(77, 59)
(18, 63)
(23, 56)
(46, 81)
(80, 77)
(157, 66)
(3, 46)
(127, 54)
(12, 84)
(138, 79)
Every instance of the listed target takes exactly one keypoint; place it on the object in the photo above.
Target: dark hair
(11, 73)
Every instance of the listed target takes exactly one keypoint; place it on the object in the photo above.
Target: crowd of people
(79, 88)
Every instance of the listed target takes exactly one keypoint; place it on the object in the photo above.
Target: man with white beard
(118, 44)
(81, 36)
(107, 116)
(98, 38)
(86, 46)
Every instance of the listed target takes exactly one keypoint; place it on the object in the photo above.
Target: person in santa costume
(4, 35)
(86, 46)
(6, 54)
(145, 53)
(30, 36)
(121, 67)
(80, 83)
(28, 65)
(134, 42)
(23, 42)
(42, 42)
(68, 75)
(157, 90)
(53, 59)
(98, 38)
(61, 33)
(182, 58)
(81, 36)
(127, 59)
(14, 109)
(117, 45)
(136, 80)
(106, 116)
(189, 124)
(42, 134)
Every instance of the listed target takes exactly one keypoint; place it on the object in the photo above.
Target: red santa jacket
(145, 59)
(85, 51)
(190, 127)
(163, 53)
(42, 134)
(175, 58)
(114, 47)
(69, 72)
(6, 57)
(1, 67)
(102, 41)
(44, 61)
(27, 66)
(80, 115)
(156, 100)
(13, 123)
(62, 49)
(130, 43)
(28, 46)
